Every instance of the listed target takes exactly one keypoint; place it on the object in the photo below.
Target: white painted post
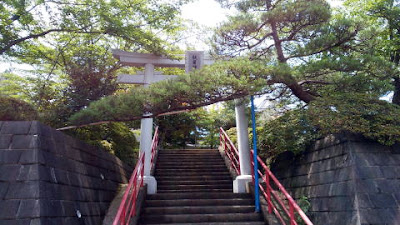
(146, 131)
(240, 183)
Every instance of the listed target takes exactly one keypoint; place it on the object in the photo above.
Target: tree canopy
(67, 45)
(299, 53)
(283, 48)
(137, 22)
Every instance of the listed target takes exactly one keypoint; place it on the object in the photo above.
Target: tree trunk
(396, 94)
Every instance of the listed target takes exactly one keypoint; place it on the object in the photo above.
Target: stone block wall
(347, 179)
(47, 177)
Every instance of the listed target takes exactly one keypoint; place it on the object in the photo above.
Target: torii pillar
(241, 181)
(148, 61)
(194, 60)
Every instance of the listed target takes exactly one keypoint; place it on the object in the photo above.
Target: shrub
(12, 109)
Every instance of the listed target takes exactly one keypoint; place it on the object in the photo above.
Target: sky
(209, 13)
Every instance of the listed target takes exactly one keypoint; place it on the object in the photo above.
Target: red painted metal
(127, 208)
(290, 209)
(230, 150)
(154, 145)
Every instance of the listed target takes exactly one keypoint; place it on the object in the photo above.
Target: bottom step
(200, 218)
(217, 223)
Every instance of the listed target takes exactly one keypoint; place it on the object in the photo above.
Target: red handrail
(154, 145)
(127, 208)
(230, 150)
(267, 191)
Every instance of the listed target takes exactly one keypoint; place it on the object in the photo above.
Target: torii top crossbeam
(190, 60)
(140, 59)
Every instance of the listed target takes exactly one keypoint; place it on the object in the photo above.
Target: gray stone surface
(47, 177)
(347, 179)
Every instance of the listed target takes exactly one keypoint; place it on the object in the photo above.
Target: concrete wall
(47, 177)
(348, 180)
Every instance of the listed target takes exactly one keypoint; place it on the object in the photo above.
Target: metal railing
(290, 210)
(230, 150)
(283, 211)
(127, 208)
(154, 145)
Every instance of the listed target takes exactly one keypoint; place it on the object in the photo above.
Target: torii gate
(193, 60)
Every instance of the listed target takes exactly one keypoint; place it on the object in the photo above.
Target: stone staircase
(195, 187)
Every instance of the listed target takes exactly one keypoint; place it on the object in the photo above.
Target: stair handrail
(230, 150)
(267, 176)
(154, 146)
(127, 208)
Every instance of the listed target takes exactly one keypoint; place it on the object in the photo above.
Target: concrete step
(191, 151)
(214, 223)
(201, 195)
(191, 162)
(199, 209)
(172, 172)
(193, 182)
(189, 159)
(195, 186)
(162, 175)
(189, 156)
(187, 152)
(199, 202)
(189, 166)
(195, 218)
(197, 190)
(194, 177)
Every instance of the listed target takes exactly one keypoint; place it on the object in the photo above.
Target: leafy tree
(15, 109)
(381, 19)
(293, 38)
(69, 45)
(116, 138)
(177, 130)
(221, 81)
(22, 23)
(357, 114)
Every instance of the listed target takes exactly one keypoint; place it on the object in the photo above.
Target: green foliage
(380, 37)
(375, 119)
(68, 46)
(304, 203)
(15, 86)
(219, 82)
(209, 121)
(199, 127)
(117, 138)
(135, 21)
(357, 113)
(177, 130)
(290, 132)
(14, 109)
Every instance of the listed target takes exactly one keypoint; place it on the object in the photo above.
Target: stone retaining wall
(347, 179)
(47, 177)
